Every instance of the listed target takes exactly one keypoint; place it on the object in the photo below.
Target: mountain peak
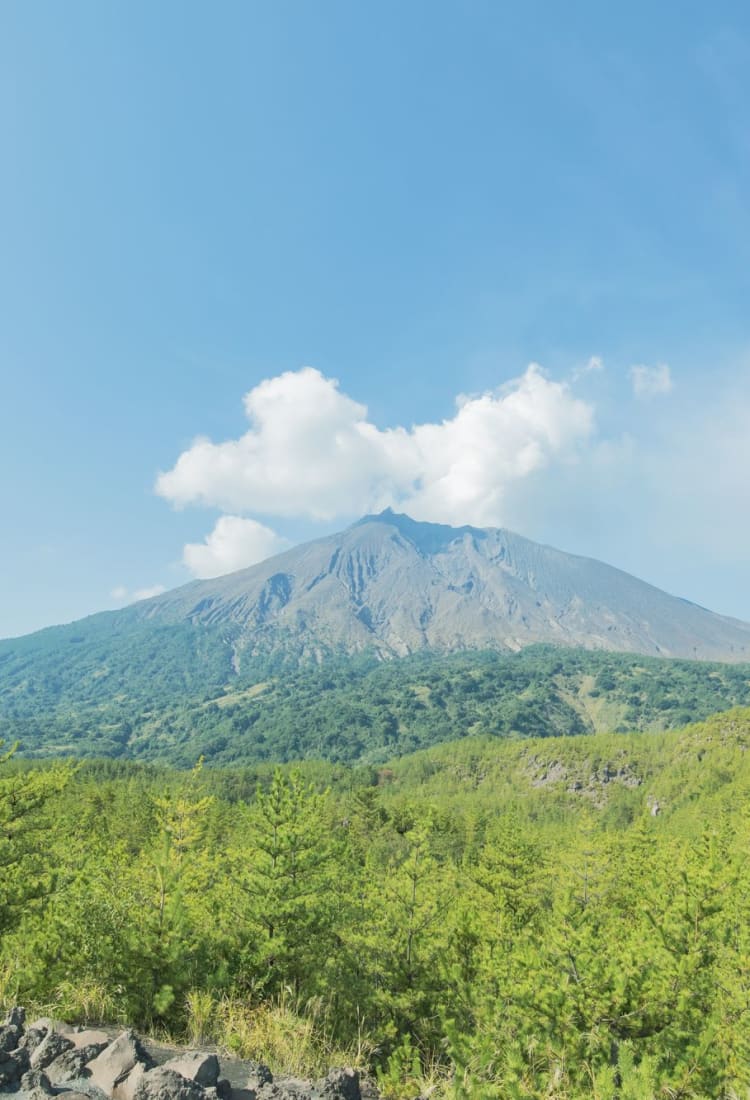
(394, 585)
(427, 536)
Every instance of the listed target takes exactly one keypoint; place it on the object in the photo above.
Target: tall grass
(295, 1037)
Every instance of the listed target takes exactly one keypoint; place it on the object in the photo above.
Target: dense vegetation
(559, 917)
(176, 699)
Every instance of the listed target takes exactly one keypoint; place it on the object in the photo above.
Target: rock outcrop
(49, 1059)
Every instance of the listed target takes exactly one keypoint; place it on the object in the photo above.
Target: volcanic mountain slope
(397, 586)
(394, 586)
(250, 665)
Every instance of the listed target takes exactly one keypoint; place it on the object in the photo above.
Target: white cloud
(651, 381)
(123, 595)
(233, 544)
(592, 366)
(311, 451)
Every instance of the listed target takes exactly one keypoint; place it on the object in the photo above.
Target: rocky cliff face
(398, 586)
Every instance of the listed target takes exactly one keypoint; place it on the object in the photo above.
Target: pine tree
(172, 881)
(26, 876)
(287, 877)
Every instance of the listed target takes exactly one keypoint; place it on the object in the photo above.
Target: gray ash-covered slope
(397, 586)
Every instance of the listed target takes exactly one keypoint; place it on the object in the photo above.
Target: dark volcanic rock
(111, 1067)
(10, 1037)
(340, 1084)
(13, 1066)
(50, 1057)
(162, 1083)
(90, 1038)
(51, 1047)
(222, 1090)
(36, 1079)
(71, 1064)
(201, 1068)
(258, 1074)
(285, 1090)
(37, 1084)
(32, 1038)
(16, 1017)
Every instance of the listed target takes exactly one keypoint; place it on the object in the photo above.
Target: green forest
(557, 917)
(170, 699)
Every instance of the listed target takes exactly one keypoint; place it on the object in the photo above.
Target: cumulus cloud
(650, 382)
(233, 544)
(123, 595)
(312, 451)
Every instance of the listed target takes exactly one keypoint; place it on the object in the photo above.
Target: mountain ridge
(278, 660)
(397, 585)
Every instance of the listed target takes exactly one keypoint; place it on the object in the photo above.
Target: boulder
(278, 1091)
(12, 1067)
(288, 1088)
(340, 1084)
(32, 1038)
(201, 1068)
(71, 1064)
(22, 1060)
(16, 1017)
(43, 1059)
(43, 1023)
(258, 1074)
(369, 1089)
(40, 1094)
(222, 1090)
(125, 1090)
(162, 1083)
(88, 1051)
(51, 1047)
(8, 1070)
(90, 1037)
(10, 1037)
(37, 1084)
(110, 1068)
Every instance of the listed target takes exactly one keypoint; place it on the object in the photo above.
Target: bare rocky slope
(399, 586)
(138, 681)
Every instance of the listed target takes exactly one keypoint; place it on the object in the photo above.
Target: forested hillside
(558, 917)
(356, 709)
(220, 666)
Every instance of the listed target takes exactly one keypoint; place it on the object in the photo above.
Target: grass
(294, 1037)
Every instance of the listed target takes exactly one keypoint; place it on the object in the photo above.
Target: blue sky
(418, 200)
